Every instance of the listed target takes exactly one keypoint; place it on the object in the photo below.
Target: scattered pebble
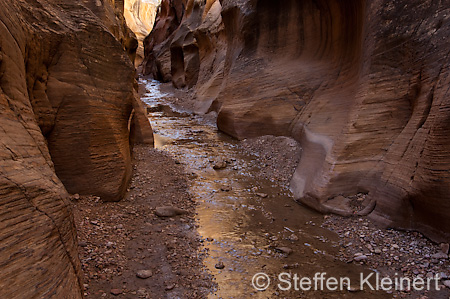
(169, 211)
(170, 287)
(144, 274)
(116, 292)
(360, 258)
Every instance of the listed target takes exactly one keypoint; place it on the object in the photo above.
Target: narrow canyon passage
(113, 185)
(247, 224)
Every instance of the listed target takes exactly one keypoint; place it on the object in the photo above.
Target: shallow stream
(242, 228)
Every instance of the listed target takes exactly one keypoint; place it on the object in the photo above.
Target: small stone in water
(220, 165)
(285, 250)
(219, 265)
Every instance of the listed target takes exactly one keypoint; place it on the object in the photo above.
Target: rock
(116, 292)
(293, 237)
(262, 195)
(76, 196)
(219, 265)
(339, 205)
(291, 266)
(140, 131)
(284, 250)
(360, 258)
(170, 287)
(377, 251)
(446, 283)
(425, 265)
(144, 274)
(439, 256)
(445, 248)
(168, 211)
(65, 104)
(220, 165)
(101, 165)
(142, 292)
(225, 188)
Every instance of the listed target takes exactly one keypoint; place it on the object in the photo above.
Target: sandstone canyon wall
(362, 85)
(66, 101)
(140, 16)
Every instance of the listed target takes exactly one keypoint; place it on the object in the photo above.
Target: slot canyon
(224, 149)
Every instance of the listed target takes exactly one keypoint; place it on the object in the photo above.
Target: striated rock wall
(66, 101)
(140, 16)
(362, 85)
(157, 43)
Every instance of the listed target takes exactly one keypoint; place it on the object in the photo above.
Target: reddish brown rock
(363, 86)
(66, 97)
(140, 129)
(157, 43)
(140, 16)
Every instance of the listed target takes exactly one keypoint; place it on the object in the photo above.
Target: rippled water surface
(241, 229)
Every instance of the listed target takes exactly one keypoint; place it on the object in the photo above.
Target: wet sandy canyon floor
(248, 224)
(242, 225)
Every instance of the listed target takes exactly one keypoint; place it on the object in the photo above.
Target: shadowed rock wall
(66, 100)
(362, 85)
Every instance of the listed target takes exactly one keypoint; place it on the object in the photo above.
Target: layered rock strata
(66, 100)
(362, 85)
(140, 16)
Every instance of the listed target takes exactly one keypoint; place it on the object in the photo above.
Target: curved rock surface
(362, 85)
(66, 100)
(140, 17)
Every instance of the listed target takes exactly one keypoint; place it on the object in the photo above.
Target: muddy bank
(116, 240)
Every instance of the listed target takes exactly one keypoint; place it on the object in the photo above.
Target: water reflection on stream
(240, 228)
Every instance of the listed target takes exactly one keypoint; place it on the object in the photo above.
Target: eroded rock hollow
(362, 85)
(67, 110)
